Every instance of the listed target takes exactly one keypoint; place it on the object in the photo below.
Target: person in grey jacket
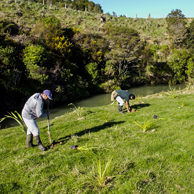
(32, 110)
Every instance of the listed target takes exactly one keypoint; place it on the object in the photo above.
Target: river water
(98, 100)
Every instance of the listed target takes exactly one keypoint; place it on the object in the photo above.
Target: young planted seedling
(78, 110)
(173, 92)
(188, 86)
(182, 105)
(102, 172)
(106, 117)
(145, 125)
(17, 117)
(137, 99)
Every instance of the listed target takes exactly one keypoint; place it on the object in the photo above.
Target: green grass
(122, 158)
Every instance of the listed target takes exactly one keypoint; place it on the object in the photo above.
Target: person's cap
(48, 93)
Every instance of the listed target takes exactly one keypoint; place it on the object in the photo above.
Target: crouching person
(32, 110)
(119, 95)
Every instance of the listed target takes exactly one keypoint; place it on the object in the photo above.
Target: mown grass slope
(160, 160)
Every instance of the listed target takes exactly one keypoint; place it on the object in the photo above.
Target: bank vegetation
(76, 52)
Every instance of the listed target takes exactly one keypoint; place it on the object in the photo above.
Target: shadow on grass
(91, 130)
(136, 107)
(9, 187)
(139, 106)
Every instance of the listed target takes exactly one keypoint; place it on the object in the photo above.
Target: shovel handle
(48, 132)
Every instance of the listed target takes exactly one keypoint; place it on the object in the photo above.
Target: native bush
(153, 50)
(93, 46)
(124, 47)
(92, 69)
(164, 52)
(11, 66)
(66, 71)
(61, 44)
(176, 25)
(109, 86)
(109, 70)
(128, 37)
(34, 60)
(154, 59)
(190, 68)
(190, 36)
(178, 64)
(46, 28)
(6, 53)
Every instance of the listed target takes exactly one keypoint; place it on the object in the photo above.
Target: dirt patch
(54, 144)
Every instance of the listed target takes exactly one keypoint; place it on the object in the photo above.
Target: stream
(97, 100)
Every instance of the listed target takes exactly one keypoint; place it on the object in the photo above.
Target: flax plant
(78, 110)
(106, 117)
(138, 98)
(17, 117)
(173, 92)
(145, 125)
(102, 172)
(183, 104)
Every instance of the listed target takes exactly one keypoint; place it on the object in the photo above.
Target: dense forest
(76, 50)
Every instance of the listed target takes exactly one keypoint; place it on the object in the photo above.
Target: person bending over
(119, 95)
(32, 110)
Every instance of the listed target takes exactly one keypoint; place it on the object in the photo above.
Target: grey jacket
(33, 108)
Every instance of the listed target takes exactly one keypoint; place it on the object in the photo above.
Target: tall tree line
(82, 5)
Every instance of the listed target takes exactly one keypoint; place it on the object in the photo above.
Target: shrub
(34, 59)
(61, 44)
(178, 64)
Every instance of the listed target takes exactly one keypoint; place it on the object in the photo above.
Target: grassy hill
(114, 155)
(27, 14)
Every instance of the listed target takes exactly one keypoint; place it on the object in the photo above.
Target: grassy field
(114, 154)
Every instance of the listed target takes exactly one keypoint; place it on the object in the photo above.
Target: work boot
(39, 143)
(120, 109)
(29, 139)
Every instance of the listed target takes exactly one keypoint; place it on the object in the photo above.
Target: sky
(142, 8)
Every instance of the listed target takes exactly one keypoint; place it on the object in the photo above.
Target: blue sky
(156, 8)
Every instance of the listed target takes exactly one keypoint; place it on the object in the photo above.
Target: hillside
(114, 155)
(27, 14)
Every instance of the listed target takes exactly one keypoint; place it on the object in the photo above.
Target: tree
(176, 25)
(190, 35)
(34, 58)
(97, 9)
(124, 44)
(178, 64)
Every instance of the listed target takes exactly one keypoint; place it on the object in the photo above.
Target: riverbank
(94, 101)
(159, 160)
